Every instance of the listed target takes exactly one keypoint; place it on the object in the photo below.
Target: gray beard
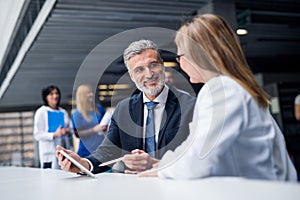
(153, 92)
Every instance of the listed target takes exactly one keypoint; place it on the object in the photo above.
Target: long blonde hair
(213, 37)
(83, 105)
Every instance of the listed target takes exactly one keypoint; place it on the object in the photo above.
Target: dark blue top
(89, 143)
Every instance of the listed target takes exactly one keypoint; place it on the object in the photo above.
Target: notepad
(55, 119)
(106, 118)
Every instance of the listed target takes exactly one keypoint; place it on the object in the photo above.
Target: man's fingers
(137, 151)
(59, 147)
(135, 164)
(136, 157)
(66, 165)
(138, 167)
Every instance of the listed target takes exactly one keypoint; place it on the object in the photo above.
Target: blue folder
(55, 119)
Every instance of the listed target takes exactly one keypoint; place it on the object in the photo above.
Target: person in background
(232, 132)
(52, 126)
(295, 151)
(297, 107)
(86, 119)
(169, 79)
(130, 135)
(169, 76)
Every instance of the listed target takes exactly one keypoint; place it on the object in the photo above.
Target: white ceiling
(77, 27)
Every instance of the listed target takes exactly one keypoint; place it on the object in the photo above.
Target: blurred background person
(169, 78)
(295, 148)
(297, 107)
(52, 127)
(86, 119)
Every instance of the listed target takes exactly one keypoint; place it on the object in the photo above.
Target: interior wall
(9, 13)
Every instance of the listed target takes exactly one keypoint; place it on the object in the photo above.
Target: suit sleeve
(109, 149)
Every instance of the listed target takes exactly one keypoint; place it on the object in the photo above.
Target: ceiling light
(241, 31)
(107, 93)
(101, 98)
(119, 86)
(170, 64)
(102, 87)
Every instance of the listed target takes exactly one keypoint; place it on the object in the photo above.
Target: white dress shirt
(157, 111)
(157, 114)
(230, 135)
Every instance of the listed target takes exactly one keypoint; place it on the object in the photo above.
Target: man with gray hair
(145, 125)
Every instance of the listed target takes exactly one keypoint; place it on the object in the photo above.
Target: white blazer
(230, 135)
(45, 138)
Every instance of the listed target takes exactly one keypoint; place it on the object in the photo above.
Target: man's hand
(151, 172)
(65, 164)
(138, 161)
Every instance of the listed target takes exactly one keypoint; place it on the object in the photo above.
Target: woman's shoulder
(63, 110)
(42, 108)
(221, 82)
(229, 82)
(41, 111)
(76, 112)
(225, 85)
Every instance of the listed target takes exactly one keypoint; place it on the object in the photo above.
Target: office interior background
(46, 41)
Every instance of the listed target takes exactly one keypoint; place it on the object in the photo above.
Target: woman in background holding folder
(51, 127)
(86, 119)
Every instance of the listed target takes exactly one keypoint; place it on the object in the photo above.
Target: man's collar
(161, 98)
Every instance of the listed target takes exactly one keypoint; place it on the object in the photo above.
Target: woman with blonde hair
(232, 132)
(86, 120)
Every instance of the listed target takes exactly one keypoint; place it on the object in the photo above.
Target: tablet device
(77, 164)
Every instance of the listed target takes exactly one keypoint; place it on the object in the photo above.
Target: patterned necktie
(150, 129)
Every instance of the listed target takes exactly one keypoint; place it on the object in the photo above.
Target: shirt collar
(161, 98)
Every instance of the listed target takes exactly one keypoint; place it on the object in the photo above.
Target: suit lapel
(170, 108)
(137, 115)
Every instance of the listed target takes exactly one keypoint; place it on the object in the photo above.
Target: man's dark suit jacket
(126, 129)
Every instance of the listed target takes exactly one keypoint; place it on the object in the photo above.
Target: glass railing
(24, 25)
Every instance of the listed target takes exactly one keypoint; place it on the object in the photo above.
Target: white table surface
(41, 184)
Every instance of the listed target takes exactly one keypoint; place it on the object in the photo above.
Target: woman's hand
(59, 132)
(100, 128)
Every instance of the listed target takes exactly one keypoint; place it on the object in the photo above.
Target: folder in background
(55, 119)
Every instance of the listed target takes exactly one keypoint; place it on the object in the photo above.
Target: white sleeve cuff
(91, 165)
